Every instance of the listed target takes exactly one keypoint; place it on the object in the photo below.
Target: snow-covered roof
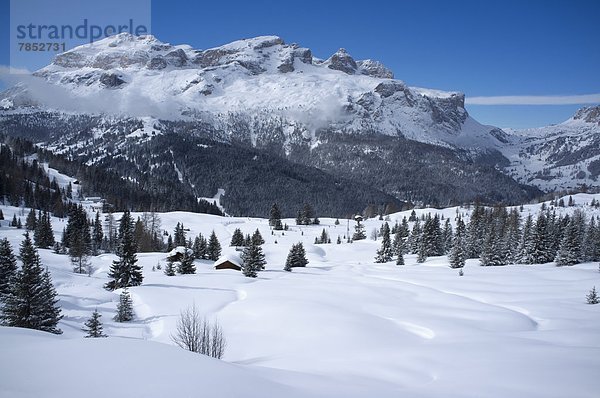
(232, 258)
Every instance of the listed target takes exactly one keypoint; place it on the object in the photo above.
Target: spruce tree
(97, 234)
(457, 254)
(179, 235)
(31, 300)
(570, 247)
(43, 236)
(31, 221)
(525, 255)
(8, 266)
(186, 265)
(275, 218)
(257, 238)
(237, 239)
(359, 231)
(296, 257)
(253, 260)
(213, 251)
(385, 252)
(13, 223)
(542, 244)
(592, 297)
(125, 271)
(93, 326)
(124, 308)
(170, 268)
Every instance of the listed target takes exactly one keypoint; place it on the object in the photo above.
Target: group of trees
(28, 298)
(306, 216)
(497, 236)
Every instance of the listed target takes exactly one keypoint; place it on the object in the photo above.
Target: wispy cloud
(535, 100)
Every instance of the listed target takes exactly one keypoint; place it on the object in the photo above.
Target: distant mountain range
(348, 118)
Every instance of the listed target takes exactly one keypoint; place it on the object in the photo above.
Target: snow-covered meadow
(343, 326)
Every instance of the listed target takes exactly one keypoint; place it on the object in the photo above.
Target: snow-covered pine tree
(125, 271)
(591, 241)
(13, 223)
(93, 326)
(385, 252)
(476, 232)
(8, 266)
(542, 243)
(492, 253)
(359, 231)
(447, 235)
(237, 239)
(457, 251)
(125, 307)
(592, 297)
(296, 257)
(170, 268)
(186, 265)
(253, 260)
(525, 255)
(415, 237)
(570, 248)
(31, 301)
(213, 250)
(257, 238)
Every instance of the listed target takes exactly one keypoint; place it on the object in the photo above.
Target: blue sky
(482, 48)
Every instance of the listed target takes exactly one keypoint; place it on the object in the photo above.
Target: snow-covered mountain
(566, 155)
(141, 76)
(278, 97)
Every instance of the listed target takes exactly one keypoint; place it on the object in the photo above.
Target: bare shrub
(197, 334)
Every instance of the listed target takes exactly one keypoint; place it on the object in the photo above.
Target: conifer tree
(1, 215)
(359, 230)
(125, 271)
(170, 268)
(97, 234)
(13, 223)
(78, 240)
(93, 326)
(19, 224)
(542, 244)
(125, 307)
(179, 235)
(385, 252)
(213, 251)
(592, 297)
(275, 218)
(31, 301)
(457, 254)
(237, 239)
(447, 237)
(186, 265)
(8, 266)
(31, 221)
(415, 237)
(200, 247)
(296, 257)
(253, 260)
(570, 247)
(43, 235)
(257, 238)
(170, 243)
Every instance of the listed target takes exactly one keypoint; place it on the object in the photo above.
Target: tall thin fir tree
(385, 252)
(570, 247)
(125, 271)
(93, 326)
(32, 300)
(275, 218)
(8, 266)
(457, 252)
(97, 235)
(213, 250)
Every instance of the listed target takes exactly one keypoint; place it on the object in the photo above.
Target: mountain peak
(589, 114)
